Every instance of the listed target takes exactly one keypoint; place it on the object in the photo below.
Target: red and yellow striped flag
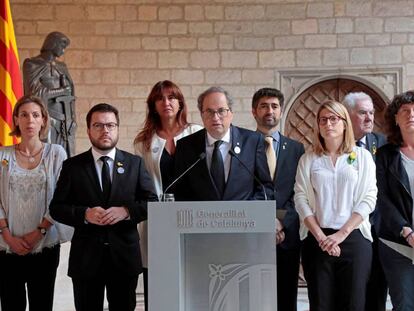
(10, 77)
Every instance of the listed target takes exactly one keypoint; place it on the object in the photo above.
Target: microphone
(202, 156)
(234, 155)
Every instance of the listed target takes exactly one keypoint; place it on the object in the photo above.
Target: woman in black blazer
(395, 176)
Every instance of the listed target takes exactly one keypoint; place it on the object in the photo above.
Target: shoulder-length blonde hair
(27, 99)
(348, 139)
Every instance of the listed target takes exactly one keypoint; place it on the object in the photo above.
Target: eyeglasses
(109, 126)
(332, 119)
(221, 112)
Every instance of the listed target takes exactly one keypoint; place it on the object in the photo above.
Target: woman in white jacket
(29, 238)
(165, 123)
(335, 192)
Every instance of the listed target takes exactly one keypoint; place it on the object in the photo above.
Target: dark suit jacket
(198, 185)
(78, 188)
(395, 200)
(374, 141)
(288, 157)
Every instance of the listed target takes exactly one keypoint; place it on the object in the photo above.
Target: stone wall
(120, 48)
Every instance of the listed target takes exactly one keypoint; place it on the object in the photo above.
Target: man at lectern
(282, 157)
(230, 162)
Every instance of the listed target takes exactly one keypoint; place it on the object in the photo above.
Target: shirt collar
(363, 140)
(96, 154)
(211, 140)
(275, 135)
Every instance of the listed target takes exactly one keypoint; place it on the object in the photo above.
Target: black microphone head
(202, 156)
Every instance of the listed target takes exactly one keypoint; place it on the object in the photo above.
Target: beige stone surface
(120, 48)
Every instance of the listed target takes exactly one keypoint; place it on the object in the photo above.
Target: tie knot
(269, 140)
(359, 143)
(104, 159)
(218, 143)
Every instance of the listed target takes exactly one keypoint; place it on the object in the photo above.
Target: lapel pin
(237, 150)
(120, 168)
(284, 146)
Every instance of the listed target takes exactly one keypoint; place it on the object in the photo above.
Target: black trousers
(337, 283)
(145, 278)
(120, 289)
(376, 298)
(287, 278)
(37, 272)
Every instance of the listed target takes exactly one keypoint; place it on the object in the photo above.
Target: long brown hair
(339, 110)
(153, 121)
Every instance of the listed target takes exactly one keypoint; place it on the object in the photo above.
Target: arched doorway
(300, 119)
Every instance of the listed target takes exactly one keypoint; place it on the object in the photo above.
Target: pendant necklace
(31, 157)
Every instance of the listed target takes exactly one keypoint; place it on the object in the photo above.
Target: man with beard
(361, 110)
(103, 194)
(282, 157)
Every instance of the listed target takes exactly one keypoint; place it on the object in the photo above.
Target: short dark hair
(214, 89)
(102, 107)
(267, 92)
(392, 129)
(52, 40)
(27, 99)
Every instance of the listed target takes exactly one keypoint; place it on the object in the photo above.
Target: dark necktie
(106, 178)
(359, 143)
(217, 167)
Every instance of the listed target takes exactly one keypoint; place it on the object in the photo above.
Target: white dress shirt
(98, 162)
(224, 150)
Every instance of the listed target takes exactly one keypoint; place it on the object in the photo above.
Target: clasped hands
(99, 216)
(23, 245)
(330, 243)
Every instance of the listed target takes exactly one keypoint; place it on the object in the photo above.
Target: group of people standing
(347, 238)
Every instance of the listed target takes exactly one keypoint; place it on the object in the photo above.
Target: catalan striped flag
(10, 77)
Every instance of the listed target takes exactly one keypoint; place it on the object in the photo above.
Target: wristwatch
(42, 230)
(2, 229)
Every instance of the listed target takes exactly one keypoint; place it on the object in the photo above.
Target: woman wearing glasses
(335, 192)
(395, 174)
(165, 123)
(29, 238)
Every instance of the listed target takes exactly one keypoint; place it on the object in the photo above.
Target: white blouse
(409, 168)
(332, 193)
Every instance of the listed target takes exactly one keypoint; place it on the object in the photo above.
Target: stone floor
(64, 295)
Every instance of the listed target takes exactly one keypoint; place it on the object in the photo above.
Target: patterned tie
(217, 167)
(271, 156)
(106, 178)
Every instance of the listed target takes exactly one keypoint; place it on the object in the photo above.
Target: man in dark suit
(221, 175)
(103, 193)
(283, 157)
(361, 110)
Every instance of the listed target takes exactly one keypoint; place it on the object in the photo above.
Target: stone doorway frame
(386, 81)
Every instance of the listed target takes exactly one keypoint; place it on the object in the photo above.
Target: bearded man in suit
(103, 194)
(283, 155)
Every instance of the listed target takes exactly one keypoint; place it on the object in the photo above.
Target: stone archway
(300, 118)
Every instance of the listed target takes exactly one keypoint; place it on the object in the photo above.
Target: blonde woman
(29, 238)
(335, 192)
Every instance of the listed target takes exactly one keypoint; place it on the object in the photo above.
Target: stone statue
(49, 79)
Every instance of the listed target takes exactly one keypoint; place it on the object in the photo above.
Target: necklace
(31, 157)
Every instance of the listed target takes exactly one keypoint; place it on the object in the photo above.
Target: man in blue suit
(221, 174)
(267, 106)
(361, 110)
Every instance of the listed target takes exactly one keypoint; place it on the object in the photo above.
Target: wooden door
(301, 116)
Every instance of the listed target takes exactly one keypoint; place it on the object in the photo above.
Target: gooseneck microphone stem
(234, 155)
(200, 157)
